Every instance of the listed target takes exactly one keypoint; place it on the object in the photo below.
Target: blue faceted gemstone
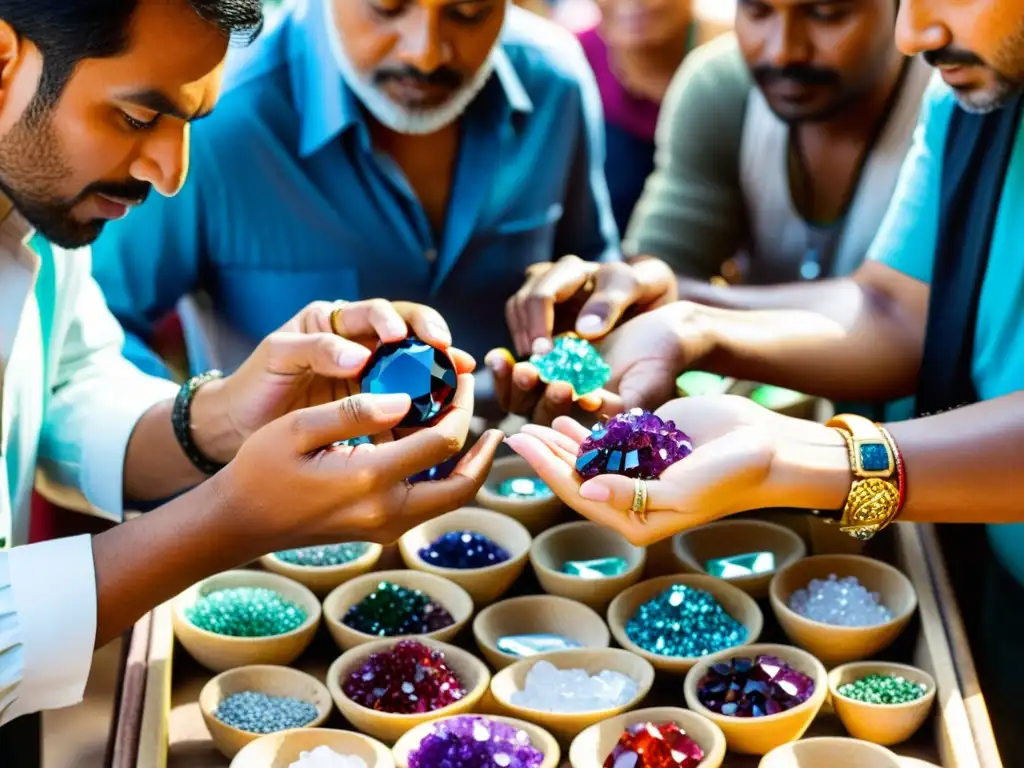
(874, 457)
(417, 369)
(440, 472)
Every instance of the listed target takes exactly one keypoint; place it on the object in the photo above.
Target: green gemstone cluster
(325, 556)
(245, 612)
(883, 689)
(573, 360)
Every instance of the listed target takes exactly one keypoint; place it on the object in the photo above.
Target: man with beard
(95, 109)
(428, 150)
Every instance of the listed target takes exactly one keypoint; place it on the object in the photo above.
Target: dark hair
(68, 32)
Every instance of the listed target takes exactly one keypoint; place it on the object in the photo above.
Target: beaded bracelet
(181, 420)
(901, 474)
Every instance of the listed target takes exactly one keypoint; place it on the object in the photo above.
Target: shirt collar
(326, 105)
(15, 232)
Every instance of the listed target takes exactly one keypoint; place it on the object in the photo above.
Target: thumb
(357, 416)
(289, 354)
(615, 291)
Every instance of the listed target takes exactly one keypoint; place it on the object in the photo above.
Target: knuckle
(354, 409)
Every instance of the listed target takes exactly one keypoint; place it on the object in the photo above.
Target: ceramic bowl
(273, 681)
(584, 541)
(565, 726)
(280, 750)
(693, 549)
(222, 652)
(880, 723)
(734, 600)
(445, 593)
(760, 735)
(389, 727)
(833, 752)
(835, 645)
(593, 746)
(536, 514)
(536, 614)
(322, 580)
(484, 585)
(541, 740)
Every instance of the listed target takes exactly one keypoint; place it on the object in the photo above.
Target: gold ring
(340, 306)
(639, 507)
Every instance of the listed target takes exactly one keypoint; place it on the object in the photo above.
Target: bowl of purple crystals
(474, 741)
(760, 695)
(484, 552)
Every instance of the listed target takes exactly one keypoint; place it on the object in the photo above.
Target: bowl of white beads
(314, 748)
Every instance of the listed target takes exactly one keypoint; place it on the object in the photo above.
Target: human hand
(745, 457)
(315, 358)
(291, 485)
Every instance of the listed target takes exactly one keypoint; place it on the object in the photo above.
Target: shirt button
(430, 255)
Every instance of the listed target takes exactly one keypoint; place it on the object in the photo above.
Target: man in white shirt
(95, 106)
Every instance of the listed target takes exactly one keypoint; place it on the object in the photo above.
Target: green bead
(696, 383)
(575, 361)
(325, 556)
(600, 568)
(737, 566)
(245, 612)
(776, 397)
(883, 689)
(524, 488)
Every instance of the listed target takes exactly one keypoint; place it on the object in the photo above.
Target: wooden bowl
(830, 752)
(536, 614)
(535, 514)
(323, 580)
(439, 589)
(734, 600)
(760, 735)
(880, 723)
(280, 750)
(484, 585)
(592, 747)
(273, 681)
(693, 549)
(565, 726)
(390, 727)
(584, 541)
(222, 652)
(837, 645)
(541, 740)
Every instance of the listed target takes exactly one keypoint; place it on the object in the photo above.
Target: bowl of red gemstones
(387, 688)
(568, 691)
(675, 621)
(830, 752)
(314, 747)
(412, 367)
(484, 552)
(659, 737)
(396, 604)
(239, 618)
(761, 696)
(476, 741)
(842, 608)
(324, 567)
(635, 444)
(513, 489)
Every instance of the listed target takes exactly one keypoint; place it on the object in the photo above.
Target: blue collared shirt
(287, 201)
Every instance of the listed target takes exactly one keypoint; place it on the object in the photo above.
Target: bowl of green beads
(881, 702)
(324, 567)
(242, 704)
(240, 618)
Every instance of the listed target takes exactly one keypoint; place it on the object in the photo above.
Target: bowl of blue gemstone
(586, 562)
(513, 488)
(396, 604)
(242, 704)
(324, 567)
(241, 618)
(746, 553)
(412, 367)
(675, 621)
(521, 627)
(484, 552)
(312, 747)
(474, 740)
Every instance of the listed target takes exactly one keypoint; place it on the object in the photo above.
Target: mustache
(801, 74)
(444, 77)
(952, 57)
(129, 189)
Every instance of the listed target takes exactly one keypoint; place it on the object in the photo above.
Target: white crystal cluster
(325, 757)
(842, 602)
(550, 689)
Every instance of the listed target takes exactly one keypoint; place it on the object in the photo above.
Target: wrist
(810, 469)
(212, 431)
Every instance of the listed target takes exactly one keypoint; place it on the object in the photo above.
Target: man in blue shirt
(425, 150)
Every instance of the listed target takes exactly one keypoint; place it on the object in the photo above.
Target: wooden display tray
(170, 732)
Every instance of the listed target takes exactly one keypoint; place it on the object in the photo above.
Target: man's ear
(21, 67)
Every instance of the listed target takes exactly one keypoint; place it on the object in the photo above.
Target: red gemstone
(650, 745)
(409, 679)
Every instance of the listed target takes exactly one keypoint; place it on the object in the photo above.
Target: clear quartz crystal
(841, 602)
(550, 689)
(325, 757)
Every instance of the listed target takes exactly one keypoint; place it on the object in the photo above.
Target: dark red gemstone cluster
(650, 745)
(636, 444)
(757, 687)
(407, 680)
(413, 367)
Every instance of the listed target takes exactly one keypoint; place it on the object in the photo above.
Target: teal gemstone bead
(684, 622)
(524, 488)
(324, 556)
(737, 566)
(883, 689)
(874, 457)
(600, 568)
(530, 645)
(245, 612)
(575, 361)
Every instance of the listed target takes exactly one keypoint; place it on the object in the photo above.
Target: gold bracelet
(874, 499)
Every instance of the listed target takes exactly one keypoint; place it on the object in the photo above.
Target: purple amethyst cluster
(636, 444)
(757, 687)
(475, 742)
